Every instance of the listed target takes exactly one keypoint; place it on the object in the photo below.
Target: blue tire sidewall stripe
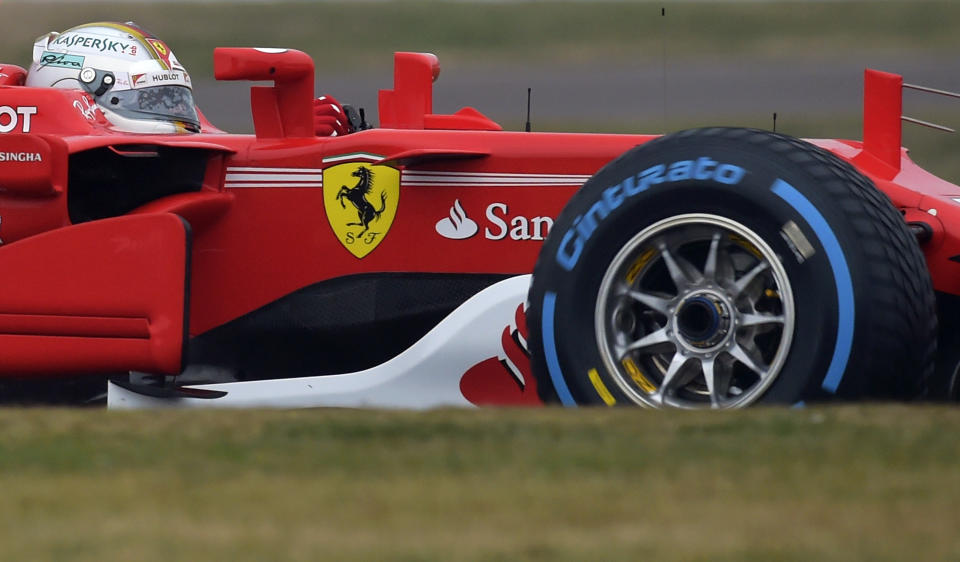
(550, 350)
(841, 276)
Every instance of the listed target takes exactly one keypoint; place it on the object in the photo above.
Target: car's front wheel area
(719, 268)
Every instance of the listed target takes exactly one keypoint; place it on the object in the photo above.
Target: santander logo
(458, 226)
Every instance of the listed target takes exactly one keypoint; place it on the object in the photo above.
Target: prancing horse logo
(372, 193)
(358, 196)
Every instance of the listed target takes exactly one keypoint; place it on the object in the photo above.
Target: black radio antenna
(663, 64)
(527, 126)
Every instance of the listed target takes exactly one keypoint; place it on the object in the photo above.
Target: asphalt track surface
(650, 94)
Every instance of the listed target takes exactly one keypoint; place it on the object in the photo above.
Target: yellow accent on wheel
(638, 377)
(746, 245)
(638, 265)
(608, 398)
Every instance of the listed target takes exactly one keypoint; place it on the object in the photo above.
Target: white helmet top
(134, 77)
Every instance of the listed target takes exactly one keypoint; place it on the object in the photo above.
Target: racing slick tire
(722, 267)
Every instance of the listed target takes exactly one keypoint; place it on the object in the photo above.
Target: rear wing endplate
(883, 114)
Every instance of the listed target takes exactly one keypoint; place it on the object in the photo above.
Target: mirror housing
(283, 110)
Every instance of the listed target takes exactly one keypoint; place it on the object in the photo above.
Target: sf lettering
(365, 238)
(13, 117)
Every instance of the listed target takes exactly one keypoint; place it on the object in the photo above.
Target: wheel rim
(695, 311)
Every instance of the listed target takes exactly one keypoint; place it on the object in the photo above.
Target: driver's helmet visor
(163, 103)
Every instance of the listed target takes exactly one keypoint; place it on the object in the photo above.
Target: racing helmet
(134, 77)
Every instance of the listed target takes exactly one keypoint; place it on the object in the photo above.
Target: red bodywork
(126, 292)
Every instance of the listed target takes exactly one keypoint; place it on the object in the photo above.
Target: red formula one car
(438, 260)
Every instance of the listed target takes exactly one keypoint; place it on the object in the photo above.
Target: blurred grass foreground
(851, 483)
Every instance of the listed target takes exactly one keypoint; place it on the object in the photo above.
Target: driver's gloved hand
(329, 119)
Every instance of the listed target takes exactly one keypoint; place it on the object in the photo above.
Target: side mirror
(411, 98)
(409, 105)
(279, 111)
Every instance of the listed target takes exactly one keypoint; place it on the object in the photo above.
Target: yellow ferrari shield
(361, 203)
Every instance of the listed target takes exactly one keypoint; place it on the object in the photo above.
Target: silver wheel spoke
(714, 387)
(658, 304)
(687, 375)
(722, 377)
(726, 272)
(670, 377)
(682, 272)
(748, 319)
(742, 356)
(710, 267)
(653, 339)
(748, 277)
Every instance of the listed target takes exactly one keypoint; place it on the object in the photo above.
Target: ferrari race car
(437, 260)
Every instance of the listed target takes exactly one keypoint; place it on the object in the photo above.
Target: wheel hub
(702, 320)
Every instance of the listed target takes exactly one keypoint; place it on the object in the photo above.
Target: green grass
(851, 483)
(341, 35)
